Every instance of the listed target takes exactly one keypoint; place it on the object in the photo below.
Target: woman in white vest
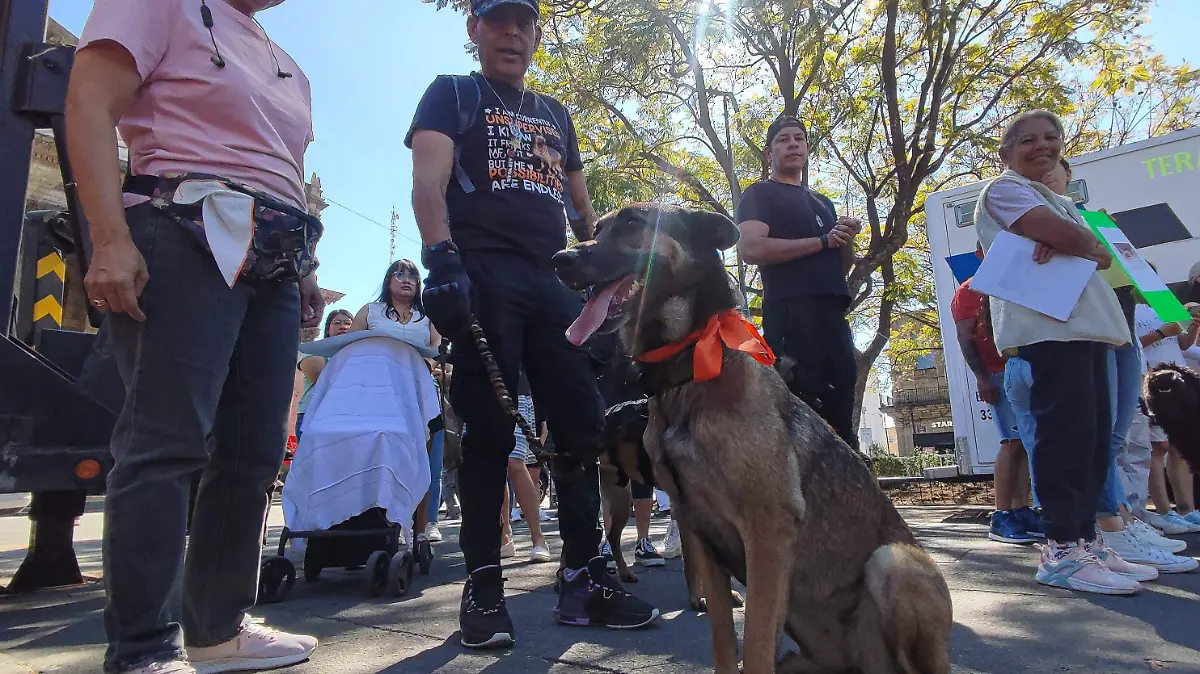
(1068, 360)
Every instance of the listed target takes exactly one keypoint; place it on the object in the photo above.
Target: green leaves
(671, 100)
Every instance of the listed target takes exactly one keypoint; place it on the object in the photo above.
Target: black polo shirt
(794, 212)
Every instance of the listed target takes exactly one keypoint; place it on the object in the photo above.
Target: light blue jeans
(435, 475)
(1124, 382)
(1125, 373)
(1018, 380)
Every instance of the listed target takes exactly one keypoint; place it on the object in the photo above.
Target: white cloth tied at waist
(228, 220)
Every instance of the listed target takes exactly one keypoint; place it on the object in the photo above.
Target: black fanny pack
(284, 242)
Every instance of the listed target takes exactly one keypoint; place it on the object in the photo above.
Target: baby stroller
(360, 471)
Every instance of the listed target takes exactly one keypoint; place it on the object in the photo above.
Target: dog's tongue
(592, 316)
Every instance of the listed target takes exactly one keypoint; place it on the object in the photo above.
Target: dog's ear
(711, 229)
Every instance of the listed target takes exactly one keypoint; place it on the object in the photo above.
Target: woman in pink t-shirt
(206, 294)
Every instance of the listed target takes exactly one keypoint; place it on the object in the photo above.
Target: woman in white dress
(366, 430)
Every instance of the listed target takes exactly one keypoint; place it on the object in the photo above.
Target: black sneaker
(594, 597)
(482, 617)
(646, 554)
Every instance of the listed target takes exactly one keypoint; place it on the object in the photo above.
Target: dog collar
(728, 329)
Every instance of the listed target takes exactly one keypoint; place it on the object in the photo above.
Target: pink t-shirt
(241, 122)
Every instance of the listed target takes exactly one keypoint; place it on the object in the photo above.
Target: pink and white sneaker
(256, 647)
(172, 667)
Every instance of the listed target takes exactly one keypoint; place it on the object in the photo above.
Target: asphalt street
(1004, 621)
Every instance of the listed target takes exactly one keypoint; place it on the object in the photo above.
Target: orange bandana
(728, 327)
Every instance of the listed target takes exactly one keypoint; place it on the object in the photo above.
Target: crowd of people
(206, 284)
(1065, 394)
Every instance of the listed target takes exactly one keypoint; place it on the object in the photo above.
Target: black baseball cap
(482, 7)
(782, 122)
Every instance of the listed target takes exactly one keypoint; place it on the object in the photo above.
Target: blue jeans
(435, 473)
(299, 427)
(1124, 385)
(207, 361)
(1018, 379)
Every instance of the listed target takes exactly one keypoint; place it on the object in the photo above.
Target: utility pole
(392, 234)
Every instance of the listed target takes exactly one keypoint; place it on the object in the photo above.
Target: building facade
(920, 404)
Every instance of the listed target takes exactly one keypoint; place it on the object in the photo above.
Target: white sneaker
(1072, 567)
(255, 647)
(1163, 524)
(1175, 518)
(172, 667)
(1192, 518)
(508, 550)
(1122, 553)
(433, 533)
(544, 516)
(539, 554)
(672, 547)
(1150, 536)
(515, 515)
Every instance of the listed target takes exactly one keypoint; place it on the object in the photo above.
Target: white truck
(1151, 188)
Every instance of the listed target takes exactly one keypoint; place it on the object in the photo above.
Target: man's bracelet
(824, 242)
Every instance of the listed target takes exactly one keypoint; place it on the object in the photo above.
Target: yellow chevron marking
(52, 263)
(48, 306)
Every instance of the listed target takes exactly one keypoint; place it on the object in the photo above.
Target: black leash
(502, 395)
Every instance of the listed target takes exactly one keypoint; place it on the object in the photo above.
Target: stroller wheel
(424, 556)
(376, 577)
(276, 579)
(400, 572)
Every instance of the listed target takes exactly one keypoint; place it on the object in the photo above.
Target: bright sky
(369, 61)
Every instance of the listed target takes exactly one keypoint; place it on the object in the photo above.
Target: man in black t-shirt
(499, 188)
(804, 252)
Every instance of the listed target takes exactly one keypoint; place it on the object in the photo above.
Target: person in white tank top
(398, 311)
(398, 308)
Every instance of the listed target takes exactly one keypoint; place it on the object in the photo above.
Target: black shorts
(641, 490)
(524, 311)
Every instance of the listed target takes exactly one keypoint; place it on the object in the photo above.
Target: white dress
(365, 431)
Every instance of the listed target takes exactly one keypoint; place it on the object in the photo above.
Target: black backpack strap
(468, 96)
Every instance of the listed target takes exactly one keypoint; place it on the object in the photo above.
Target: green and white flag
(1130, 268)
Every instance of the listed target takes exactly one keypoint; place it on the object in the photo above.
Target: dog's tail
(905, 616)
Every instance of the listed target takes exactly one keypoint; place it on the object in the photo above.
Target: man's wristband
(824, 242)
(430, 252)
(1161, 335)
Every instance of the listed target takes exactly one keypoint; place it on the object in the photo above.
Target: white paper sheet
(1009, 272)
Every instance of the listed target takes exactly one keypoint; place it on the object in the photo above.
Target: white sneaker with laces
(1125, 563)
(1163, 524)
(1175, 518)
(433, 533)
(1150, 536)
(539, 554)
(672, 547)
(1071, 566)
(508, 550)
(172, 667)
(1192, 518)
(254, 648)
(1134, 550)
(515, 515)
(544, 516)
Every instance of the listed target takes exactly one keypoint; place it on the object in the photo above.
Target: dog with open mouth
(763, 487)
